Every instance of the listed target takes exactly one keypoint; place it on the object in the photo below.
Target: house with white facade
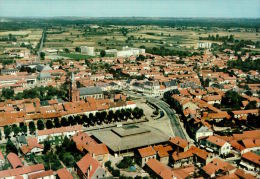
(56, 134)
(202, 132)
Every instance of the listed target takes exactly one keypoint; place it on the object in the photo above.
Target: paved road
(41, 45)
(176, 126)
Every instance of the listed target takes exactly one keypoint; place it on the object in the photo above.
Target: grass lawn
(75, 56)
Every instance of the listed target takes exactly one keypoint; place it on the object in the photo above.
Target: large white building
(204, 45)
(125, 52)
(88, 50)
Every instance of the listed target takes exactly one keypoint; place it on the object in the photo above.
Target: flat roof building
(128, 138)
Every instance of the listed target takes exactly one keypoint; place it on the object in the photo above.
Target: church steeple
(74, 92)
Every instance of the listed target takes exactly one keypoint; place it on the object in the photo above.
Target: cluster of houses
(175, 158)
(181, 159)
(20, 169)
(199, 83)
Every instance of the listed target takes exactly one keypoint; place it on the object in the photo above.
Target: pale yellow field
(22, 32)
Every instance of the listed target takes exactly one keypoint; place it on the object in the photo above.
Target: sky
(131, 8)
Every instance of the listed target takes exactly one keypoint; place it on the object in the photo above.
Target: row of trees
(246, 65)
(43, 93)
(22, 128)
(9, 38)
(218, 38)
(91, 120)
(162, 51)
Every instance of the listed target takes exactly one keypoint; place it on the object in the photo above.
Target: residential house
(89, 168)
(163, 153)
(250, 161)
(32, 147)
(181, 159)
(42, 175)
(63, 173)
(217, 167)
(145, 154)
(24, 171)
(202, 132)
(179, 144)
(56, 134)
(216, 145)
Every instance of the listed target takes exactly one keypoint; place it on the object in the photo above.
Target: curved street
(176, 126)
(175, 123)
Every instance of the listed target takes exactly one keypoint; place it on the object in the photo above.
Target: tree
(64, 122)
(232, 99)
(110, 116)
(16, 130)
(122, 114)
(137, 177)
(251, 105)
(40, 125)
(7, 131)
(108, 164)
(42, 55)
(24, 129)
(10, 147)
(56, 122)
(91, 118)
(7, 93)
(125, 163)
(72, 121)
(253, 121)
(116, 115)
(85, 119)
(47, 146)
(124, 31)
(49, 124)
(138, 113)
(102, 53)
(31, 127)
(78, 120)
(68, 159)
(97, 118)
(116, 173)
(66, 50)
(77, 49)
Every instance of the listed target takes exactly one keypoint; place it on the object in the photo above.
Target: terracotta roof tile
(14, 160)
(147, 151)
(64, 174)
(179, 142)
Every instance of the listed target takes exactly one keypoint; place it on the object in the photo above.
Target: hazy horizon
(131, 8)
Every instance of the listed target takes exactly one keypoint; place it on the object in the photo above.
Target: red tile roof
(21, 170)
(59, 130)
(14, 160)
(64, 174)
(86, 162)
(252, 157)
(160, 169)
(217, 165)
(31, 144)
(163, 150)
(215, 140)
(1, 156)
(147, 151)
(179, 142)
(181, 155)
(41, 174)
